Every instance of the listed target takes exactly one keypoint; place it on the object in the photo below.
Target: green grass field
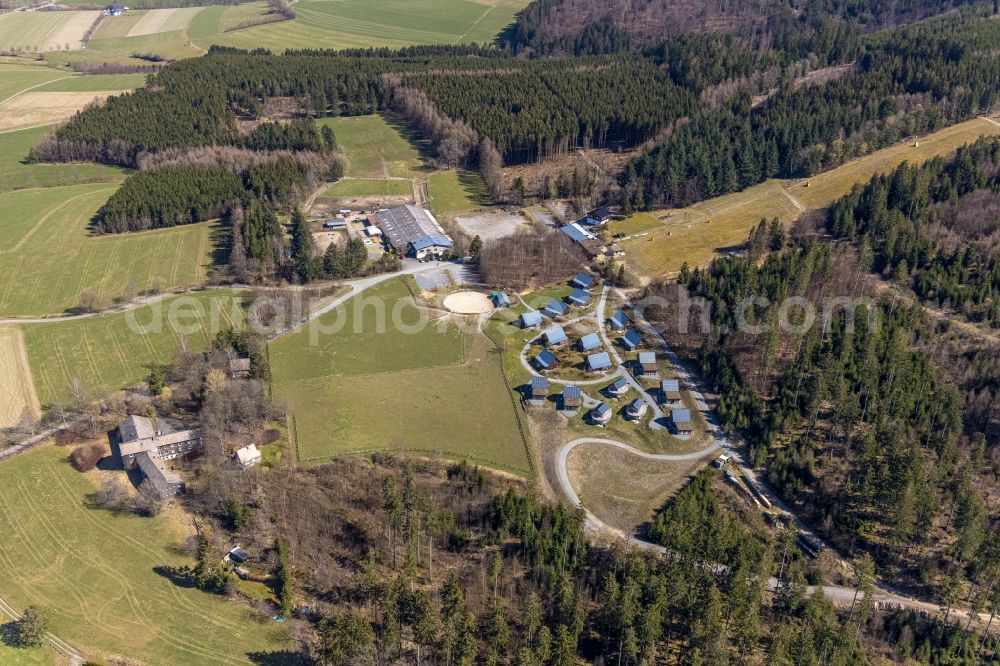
(438, 391)
(37, 32)
(111, 351)
(370, 188)
(456, 191)
(337, 24)
(15, 175)
(16, 77)
(95, 83)
(698, 233)
(48, 255)
(14, 656)
(97, 572)
(374, 147)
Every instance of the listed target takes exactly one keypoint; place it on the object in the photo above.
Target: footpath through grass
(102, 576)
(432, 388)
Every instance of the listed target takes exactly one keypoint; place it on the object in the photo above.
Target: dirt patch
(494, 224)
(468, 302)
(43, 108)
(163, 20)
(17, 391)
(622, 489)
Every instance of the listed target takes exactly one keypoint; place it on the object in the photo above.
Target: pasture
(456, 191)
(374, 147)
(434, 389)
(49, 257)
(370, 188)
(19, 76)
(111, 351)
(103, 575)
(38, 32)
(15, 656)
(338, 24)
(33, 108)
(15, 175)
(17, 391)
(699, 233)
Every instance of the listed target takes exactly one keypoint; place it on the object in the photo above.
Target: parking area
(494, 224)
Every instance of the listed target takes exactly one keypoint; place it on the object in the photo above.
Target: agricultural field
(338, 24)
(374, 147)
(17, 76)
(370, 188)
(104, 576)
(31, 109)
(111, 351)
(48, 256)
(15, 175)
(17, 656)
(456, 191)
(366, 387)
(17, 392)
(702, 231)
(38, 32)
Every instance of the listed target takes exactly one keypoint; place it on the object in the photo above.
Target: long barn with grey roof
(413, 230)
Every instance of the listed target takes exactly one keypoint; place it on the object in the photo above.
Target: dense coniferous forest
(934, 228)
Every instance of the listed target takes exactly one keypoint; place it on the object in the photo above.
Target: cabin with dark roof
(598, 362)
(589, 342)
(617, 388)
(554, 336)
(618, 321)
(539, 391)
(582, 281)
(671, 390)
(601, 414)
(647, 365)
(555, 308)
(579, 298)
(531, 319)
(680, 419)
(545, 360)
(572, 398)
(636, 409)
(630, 341)
(599, 216)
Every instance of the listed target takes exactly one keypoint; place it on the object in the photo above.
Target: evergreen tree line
(933, 228)
(913, 81)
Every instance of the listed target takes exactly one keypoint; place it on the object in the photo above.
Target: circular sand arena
(468, 302)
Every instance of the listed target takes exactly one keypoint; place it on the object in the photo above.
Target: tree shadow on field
(9, 635)
(176, 575)
(279, 658)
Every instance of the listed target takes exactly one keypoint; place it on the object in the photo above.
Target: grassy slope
(16, 77)
(436, 391)
(456, 191)
(107, 352)
(13, 656)
(97, 573)
(16, 175)
(686, 235)
(374, 147)
(43, 31)
(49, 257)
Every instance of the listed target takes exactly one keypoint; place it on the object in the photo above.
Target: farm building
(681, 420)
(636, 409)
(589, 342)
(671, 389)
(578, 233)
(115, 10)
(555, 308)
(239, 368)
(143, 446)
(500, 299)
(582, 281)
(647, 365)
(598, 362)
(335, 224)
(618, 321)
(598, 217)
(545, 360)
(617, 388)
(248, 456)
(601, 414)
(572, 398)
(578, 298)
(555, 335)
(411, 230)
(539, 390)
(531, 319)
(630, 341)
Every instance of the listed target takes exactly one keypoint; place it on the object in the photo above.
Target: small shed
(555, 336)
(618, 321)
(237, 555)
(630, 341)
(248, 456)
(501, 300)
(545, 360)
(582, 281)
(590, 342)
(601, 414)
(671, 389)
(572, 398)
(681, 420)
(531, 319)
(598, 362)
(539, 389)
(647, 364)
(617, 388)
(579, 298)
(636, 409)
(555, 308)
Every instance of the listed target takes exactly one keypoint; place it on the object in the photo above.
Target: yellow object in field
(649, 240)
(916, 144)
(809, 183)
